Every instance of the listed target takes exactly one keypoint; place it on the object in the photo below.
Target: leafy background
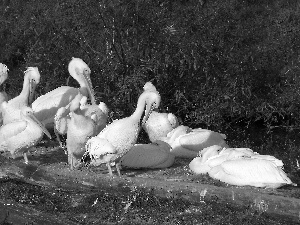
(215, 63)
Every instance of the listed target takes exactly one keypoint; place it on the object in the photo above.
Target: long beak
(40, 125)
(32, 86)
(88, 81)
(148, 111)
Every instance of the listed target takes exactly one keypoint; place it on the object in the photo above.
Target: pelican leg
(109, 169)
(118, 169)
(60, 142)
(25, 157)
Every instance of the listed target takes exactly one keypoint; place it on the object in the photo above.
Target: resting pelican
(11, 109)
(187, 142)
(80, 129)
(241, 166)
(46, 106)
(117, 138)
(154, 155)
(19, 136)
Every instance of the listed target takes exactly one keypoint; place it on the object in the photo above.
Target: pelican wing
(46, 106)
(196, 141)
(12, 129)
(253, 172)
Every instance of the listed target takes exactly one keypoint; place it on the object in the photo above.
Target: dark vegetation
(226, 65)
(215, 64)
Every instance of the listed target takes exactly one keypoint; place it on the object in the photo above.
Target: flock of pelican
(91, 140)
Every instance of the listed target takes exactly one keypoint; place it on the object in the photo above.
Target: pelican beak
(86, 75)
(32, 86)
(40, 125)
(152, 103)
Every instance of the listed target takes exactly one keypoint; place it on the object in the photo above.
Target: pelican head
(81, 72)
(149, 87)
(33, 75)
(152, 102)
(3, 72)
(27, 113)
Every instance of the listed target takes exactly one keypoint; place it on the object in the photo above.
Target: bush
(214, 64)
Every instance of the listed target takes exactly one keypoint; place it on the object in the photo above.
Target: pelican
(159, 124)
(154, 155)
(46, 106)
(98, 113)
(241, 167)
(117, 138)
(19, 136)
(3, 76)
(187, 142)
(80, 128)
(11, 109)
(3, 94)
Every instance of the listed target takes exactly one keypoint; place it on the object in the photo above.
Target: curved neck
(139, 108)
(24, 95)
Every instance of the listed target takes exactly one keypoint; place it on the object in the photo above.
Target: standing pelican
(154, 155)
(46, 106)
(98, 113)
(80, 129)
(117, 138)
(3, 95)
(187, 142)
(19, 136)
(11, 109)
(3, 77)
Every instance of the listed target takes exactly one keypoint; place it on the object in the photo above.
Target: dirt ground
(49, 173)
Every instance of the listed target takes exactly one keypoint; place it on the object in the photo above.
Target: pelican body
(11, 110)
(153, 156)
(240, 166)
(159, 125)
(80, 129)
(187, 142)
(46, 106)
(121, 135)
(19, 136)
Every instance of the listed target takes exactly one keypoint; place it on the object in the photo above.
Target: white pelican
(187, 142)
(80, 129)
(117, 138)
(3, 76)
(11, 109)
(154, 155)
(159, 124)
(46, 106)
(3, 94)
(98, 113)
(20, 136)
(241, 166)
